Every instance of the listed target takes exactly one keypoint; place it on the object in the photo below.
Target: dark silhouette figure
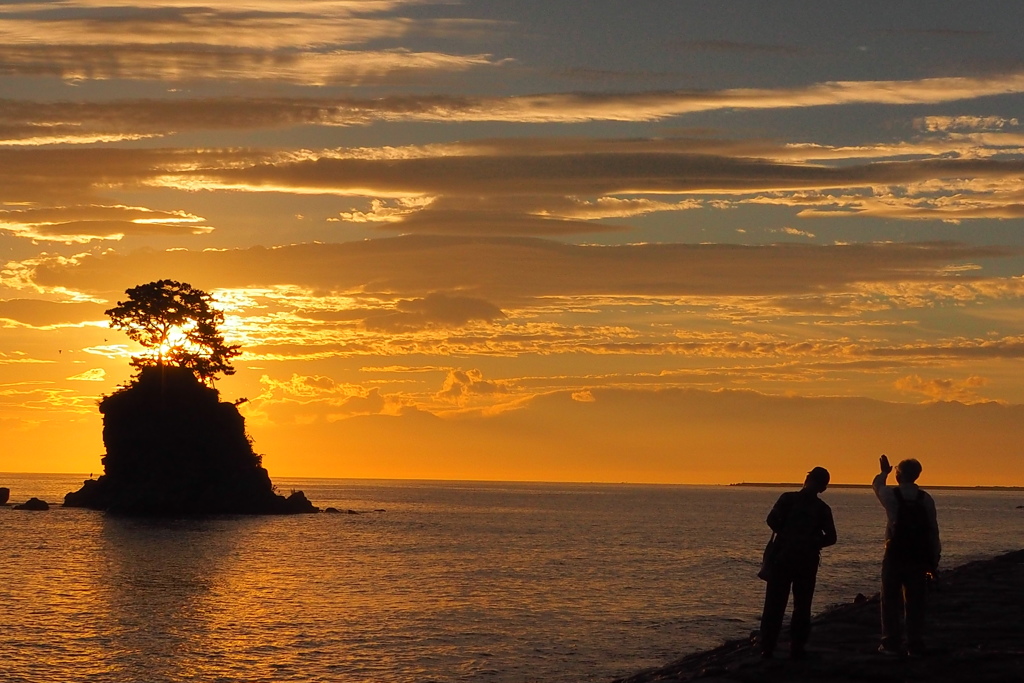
(912, 551)
(5, 495)
(804, 526)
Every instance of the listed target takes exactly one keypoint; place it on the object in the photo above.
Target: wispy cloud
(91, 121)
(82, 224)
(48, 314)
(310, 44)
(415, 266)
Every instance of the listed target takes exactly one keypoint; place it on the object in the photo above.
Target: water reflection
(454, 583)
(158, 578)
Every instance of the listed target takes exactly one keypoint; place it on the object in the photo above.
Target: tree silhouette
(177, 324)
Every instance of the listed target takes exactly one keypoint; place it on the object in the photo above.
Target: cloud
(508, 215)
(373, 403)
(267, 25)
(650, 106)
(93, 375)
(575, 174)
(462, 385)
(19, 357)
(49, 314)
(305, 398)
(793, 232)
(313, 44)
(921, 210)
(82, 224)
(438, 221)
(69, 177)
(299, 387)
(958, 349)
(964, 123)
(492, 189)
(436, 308)
(492, 268)
(145, 117)
(652, 436)
(964, 391)
(183, 64)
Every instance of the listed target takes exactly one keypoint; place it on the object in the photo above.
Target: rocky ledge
(976, 634)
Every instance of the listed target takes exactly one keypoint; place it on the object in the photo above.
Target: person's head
(817, 479)
(908, 471)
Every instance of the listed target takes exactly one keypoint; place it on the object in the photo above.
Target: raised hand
(883, 464)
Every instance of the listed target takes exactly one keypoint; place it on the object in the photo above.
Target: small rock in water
(33, 504)
(5, 495)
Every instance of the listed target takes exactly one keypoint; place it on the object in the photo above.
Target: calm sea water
(452, 582)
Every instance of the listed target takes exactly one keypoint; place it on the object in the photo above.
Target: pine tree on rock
(172, 446)
(176, 324)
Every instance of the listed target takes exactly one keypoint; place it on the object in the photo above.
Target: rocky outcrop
(33, 504)
(5, 495)
(173, 448)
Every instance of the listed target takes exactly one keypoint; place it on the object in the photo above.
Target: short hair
(820, 476)
(909, 469)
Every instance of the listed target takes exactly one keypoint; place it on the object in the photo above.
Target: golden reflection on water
(158, 579)
(455, 582)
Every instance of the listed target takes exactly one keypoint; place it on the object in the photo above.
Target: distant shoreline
(867, 486)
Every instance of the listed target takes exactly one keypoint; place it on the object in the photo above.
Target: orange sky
(465, 240)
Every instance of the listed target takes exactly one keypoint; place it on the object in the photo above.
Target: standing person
(912, 551)
(804, 526)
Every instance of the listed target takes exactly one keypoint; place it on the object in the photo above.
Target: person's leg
(892, 605)
(776, 595)
(915, 592)
(803, 593)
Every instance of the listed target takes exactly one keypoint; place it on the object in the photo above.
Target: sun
(177, 339)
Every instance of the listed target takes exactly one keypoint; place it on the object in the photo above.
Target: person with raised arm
(911, 557)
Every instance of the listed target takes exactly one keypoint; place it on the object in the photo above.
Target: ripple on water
(455, 582)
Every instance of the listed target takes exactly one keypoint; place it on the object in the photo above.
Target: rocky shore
(976, 633)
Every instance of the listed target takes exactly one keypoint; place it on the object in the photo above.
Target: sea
(422, 581)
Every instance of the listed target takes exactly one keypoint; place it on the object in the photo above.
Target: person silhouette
(912, 552)
(804, 525)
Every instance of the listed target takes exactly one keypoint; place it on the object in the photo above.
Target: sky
(666, 241)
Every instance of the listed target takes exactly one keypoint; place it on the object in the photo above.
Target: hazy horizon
(736, 484)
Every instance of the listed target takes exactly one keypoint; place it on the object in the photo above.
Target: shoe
(888, 651)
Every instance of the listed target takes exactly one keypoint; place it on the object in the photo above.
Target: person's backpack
(911, 535)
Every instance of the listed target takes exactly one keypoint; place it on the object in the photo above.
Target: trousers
(798, 575)
(904, 598)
